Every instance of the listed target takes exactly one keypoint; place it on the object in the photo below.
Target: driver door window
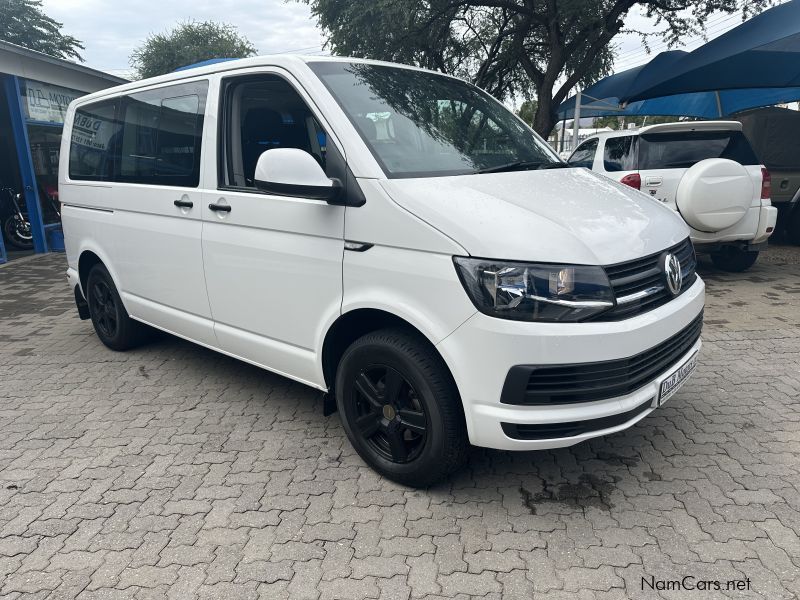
(263, 114)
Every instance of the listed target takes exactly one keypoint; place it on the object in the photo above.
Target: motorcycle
(16, 226)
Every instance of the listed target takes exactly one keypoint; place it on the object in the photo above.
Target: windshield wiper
(521, 165)
(512, 166)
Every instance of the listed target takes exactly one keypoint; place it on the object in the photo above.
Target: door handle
(183, 203)
(220, 207)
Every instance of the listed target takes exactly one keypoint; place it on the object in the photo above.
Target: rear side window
(584, 155)
(151, 137)
(684, 149)
(95, 133)
(620, 154)
(161, 135)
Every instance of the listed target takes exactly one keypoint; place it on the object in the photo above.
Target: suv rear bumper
(754, 229)
(767, 218)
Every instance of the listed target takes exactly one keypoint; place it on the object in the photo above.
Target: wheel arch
(351, 325)
(88, 258)
(86, 261)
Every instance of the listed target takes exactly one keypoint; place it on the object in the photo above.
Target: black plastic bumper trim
(546, 431)
(537, 385)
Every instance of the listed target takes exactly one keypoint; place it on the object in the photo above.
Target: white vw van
(391, 236)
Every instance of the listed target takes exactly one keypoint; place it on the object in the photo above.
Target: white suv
(393, 237)
(705, 170)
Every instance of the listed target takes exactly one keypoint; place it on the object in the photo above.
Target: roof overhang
(22, 62)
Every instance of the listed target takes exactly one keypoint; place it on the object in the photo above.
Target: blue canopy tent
(763, 52)
(755, 64)
(704, 105)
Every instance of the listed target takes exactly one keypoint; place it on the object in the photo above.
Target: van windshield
(419, 124)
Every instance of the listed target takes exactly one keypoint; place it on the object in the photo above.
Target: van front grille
(633, 280)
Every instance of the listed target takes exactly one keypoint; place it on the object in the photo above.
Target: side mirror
(294, 172)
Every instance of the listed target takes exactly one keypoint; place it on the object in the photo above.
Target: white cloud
(110, 31)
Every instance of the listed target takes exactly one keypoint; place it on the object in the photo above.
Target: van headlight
(535, 291)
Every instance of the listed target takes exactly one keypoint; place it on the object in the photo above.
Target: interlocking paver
(171, 471)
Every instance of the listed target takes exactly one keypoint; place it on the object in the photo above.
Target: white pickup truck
(705, 170)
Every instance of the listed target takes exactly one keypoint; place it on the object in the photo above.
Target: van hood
(563, 216)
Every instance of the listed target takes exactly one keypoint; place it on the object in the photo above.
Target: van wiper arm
(521, 165)
(512, 166)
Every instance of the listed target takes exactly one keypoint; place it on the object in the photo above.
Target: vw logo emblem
(673, 273)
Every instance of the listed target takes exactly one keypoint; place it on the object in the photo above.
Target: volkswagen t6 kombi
(391, 236)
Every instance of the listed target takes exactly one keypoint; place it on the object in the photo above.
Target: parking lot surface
(171, 471)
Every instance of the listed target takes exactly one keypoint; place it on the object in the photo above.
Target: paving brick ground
(173, 472)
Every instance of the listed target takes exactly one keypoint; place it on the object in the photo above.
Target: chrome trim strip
(574, 303)
(640, 294)
(95, 208)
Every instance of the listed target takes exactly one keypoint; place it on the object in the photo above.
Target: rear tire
(400, 408)
(793, 226)
(110, 319)
(734, 259)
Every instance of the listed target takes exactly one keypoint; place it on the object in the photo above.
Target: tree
(188, 43)
(509, 47)
(527, 111)
(23, 22)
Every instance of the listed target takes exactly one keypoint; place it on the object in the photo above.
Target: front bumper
(483, 350)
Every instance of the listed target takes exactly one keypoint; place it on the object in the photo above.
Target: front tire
(734, 259)
(18, 233)
(400, 408)
(110, 319)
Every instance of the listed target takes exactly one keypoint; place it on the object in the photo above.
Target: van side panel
(409, 272)
(125, 209)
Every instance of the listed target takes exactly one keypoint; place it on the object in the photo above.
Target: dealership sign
(45, 102)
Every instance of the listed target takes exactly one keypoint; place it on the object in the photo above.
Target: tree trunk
(545, 118)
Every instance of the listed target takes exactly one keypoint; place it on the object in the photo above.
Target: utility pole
(576, 123)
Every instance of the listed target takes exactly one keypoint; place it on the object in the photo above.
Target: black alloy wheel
(103, 307)
(111, 321)
(400, 407)
(389, 416)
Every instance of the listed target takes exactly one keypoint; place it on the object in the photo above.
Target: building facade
(35, 90)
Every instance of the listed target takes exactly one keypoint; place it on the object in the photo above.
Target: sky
(110, 31)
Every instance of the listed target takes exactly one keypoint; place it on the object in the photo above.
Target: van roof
(220, 66)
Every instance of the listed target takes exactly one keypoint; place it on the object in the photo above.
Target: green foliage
(509, 47)
(527, 111)
(23, 22)
(188, 43)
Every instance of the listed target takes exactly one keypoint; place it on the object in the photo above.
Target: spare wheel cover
(714, 194)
